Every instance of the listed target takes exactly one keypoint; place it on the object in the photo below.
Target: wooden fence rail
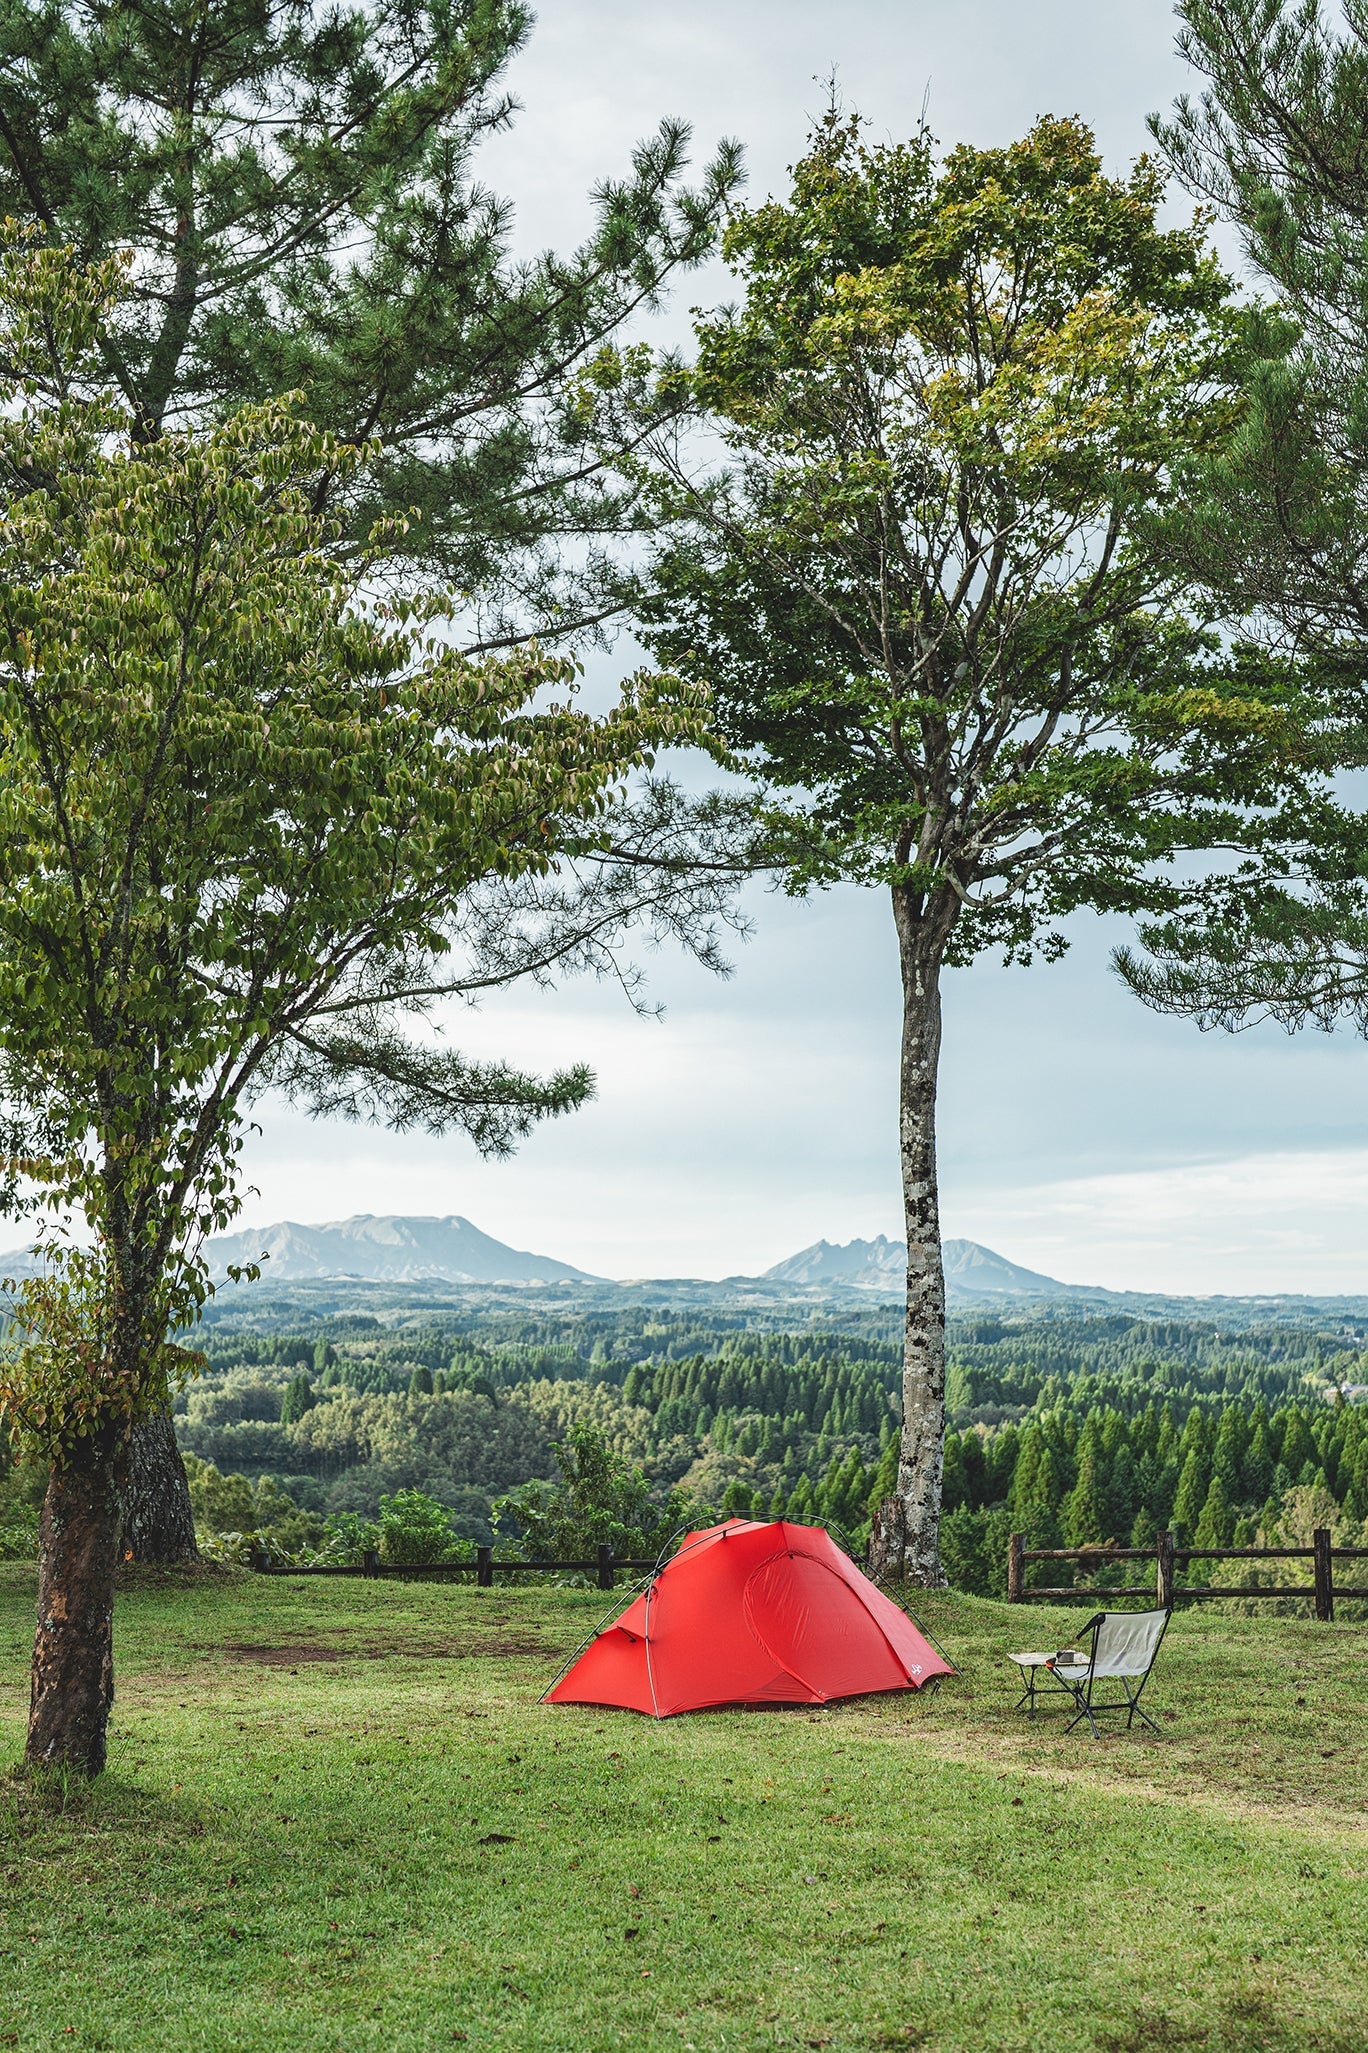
(484, 1567)
(1165, 1554)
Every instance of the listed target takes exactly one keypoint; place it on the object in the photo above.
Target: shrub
(230, 1508)
(415, 1530)
(19, 1537)
(601, 1501)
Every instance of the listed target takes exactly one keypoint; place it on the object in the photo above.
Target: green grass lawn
(337, 1818)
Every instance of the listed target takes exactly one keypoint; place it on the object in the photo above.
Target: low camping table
(1031, 1666)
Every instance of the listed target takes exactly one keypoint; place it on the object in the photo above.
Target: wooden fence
(1167, 1590)
(484, 1567)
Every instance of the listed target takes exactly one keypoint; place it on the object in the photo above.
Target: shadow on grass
(35, 1800)
(1248, 2022)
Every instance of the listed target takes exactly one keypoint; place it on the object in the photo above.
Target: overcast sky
(1079, 1134)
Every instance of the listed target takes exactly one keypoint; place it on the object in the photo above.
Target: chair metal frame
(1080, 1688)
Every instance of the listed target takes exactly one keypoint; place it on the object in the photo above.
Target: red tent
(747, 1613)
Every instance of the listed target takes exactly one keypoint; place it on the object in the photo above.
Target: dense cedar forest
(1071, 1429)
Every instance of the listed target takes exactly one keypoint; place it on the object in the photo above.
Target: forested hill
(307, 1413)
(1084, 1427)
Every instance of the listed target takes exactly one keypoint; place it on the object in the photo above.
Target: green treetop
(1276, 523)
(924, 590)
(298, 188)
(242, 811)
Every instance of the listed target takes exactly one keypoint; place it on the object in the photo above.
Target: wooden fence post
(484, 1572)
(1163, 1552)
(1016, 1567)
(605, 1568)
(1324, 1574)
(370, 1562)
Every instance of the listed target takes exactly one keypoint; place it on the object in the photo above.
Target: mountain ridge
(389, 1253)
(389, 1247)
(970, 1269)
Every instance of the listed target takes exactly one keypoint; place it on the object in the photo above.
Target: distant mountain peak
(389, 1247)
(881, 1264)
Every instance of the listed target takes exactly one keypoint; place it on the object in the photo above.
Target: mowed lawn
(337, 1818)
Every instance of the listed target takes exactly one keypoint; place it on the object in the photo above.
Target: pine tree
(298, 1399)
(1277, 522)
(953, 1489)
(1001, 1459)
(1226, 1455)
(1122, 1492)
(1085, 1509)
(299, 193)
(1145, 1432)
(1030, 1449)
(1256, 1470)
(1356, 1496)
(884, 1476)
(1040, 1511)
(975, 1469)
(801, 1504)
(1193, 1485)
(1195, 1435)
(1217, 1519)
(1297, 1447)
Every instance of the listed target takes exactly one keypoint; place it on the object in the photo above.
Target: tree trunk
(73, 1647)
(906, 1537)
(156, 1521)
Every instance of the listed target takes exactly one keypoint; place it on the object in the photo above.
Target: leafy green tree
(222, 1504)
(1276, 524)
(414, 1528)
(601, 1501)
(952, 398)
(241, 813)
(300, 193)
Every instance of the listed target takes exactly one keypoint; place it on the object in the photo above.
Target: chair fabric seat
(1127, 1641)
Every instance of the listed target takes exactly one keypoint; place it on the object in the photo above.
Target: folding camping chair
(1125, 1644)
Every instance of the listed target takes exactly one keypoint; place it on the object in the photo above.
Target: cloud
(1079, 1134)
(1256, 1223)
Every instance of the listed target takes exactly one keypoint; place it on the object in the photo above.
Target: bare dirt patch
(277, 1657)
